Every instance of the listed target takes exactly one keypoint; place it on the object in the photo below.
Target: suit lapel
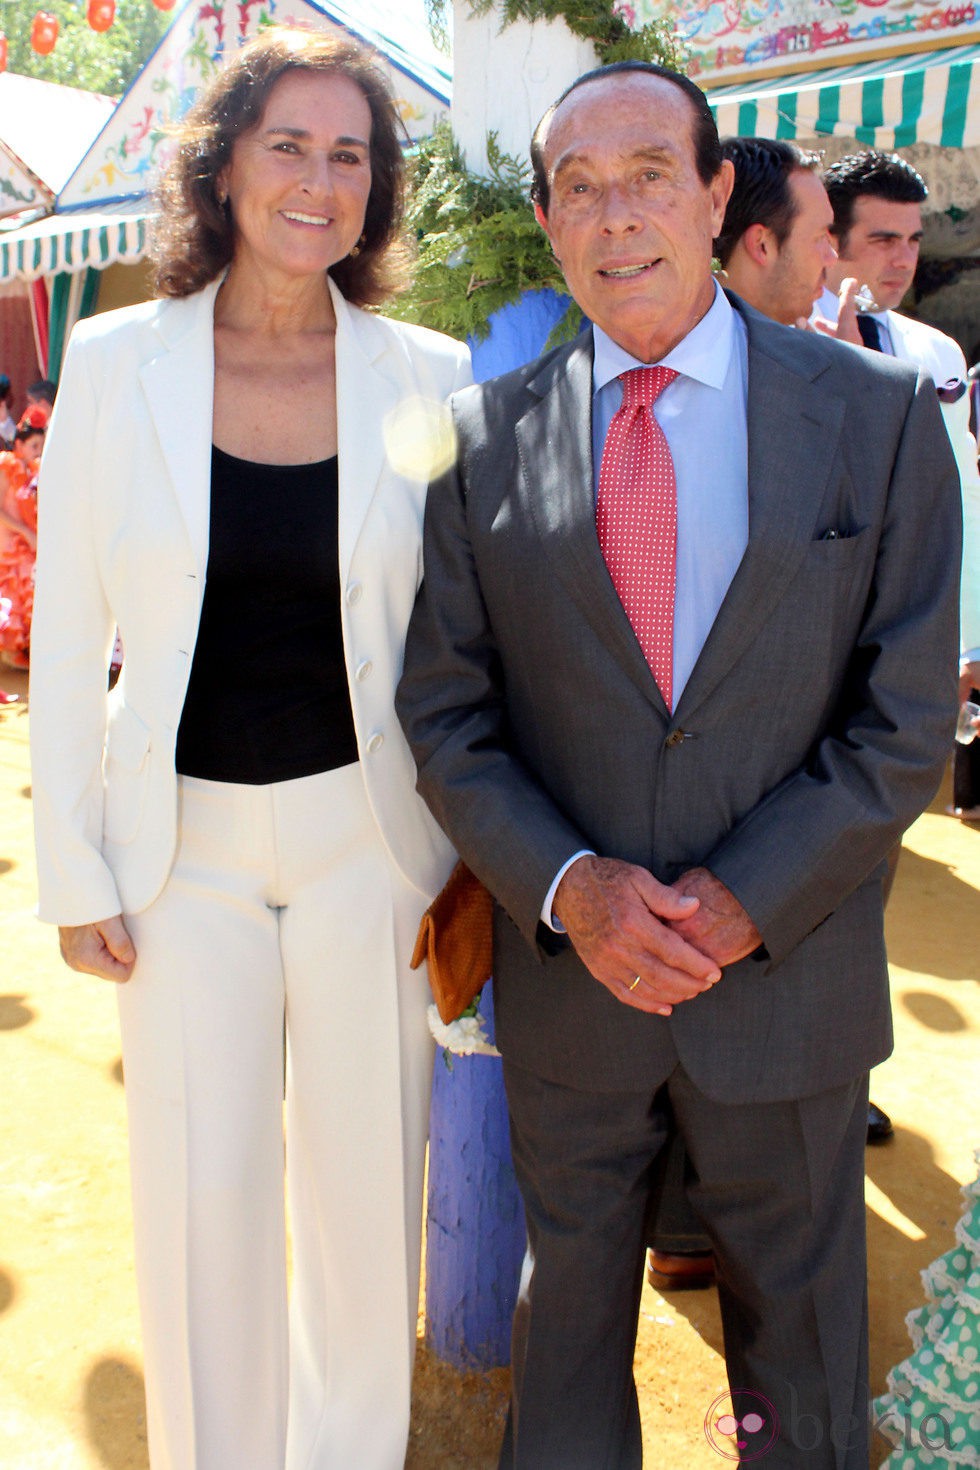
(554, 439)
(794, 423)
(367, 392)
(899, 336)
(178, 382)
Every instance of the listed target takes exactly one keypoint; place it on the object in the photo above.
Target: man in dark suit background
(685, 839)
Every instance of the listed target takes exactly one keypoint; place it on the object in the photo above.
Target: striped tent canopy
(75, 242)
(933, 97)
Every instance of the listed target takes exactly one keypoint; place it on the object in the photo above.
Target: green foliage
(103, 61)
(435, 13)
(479, 246)
(602, 22)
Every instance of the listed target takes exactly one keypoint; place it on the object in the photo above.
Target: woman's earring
(356, 249)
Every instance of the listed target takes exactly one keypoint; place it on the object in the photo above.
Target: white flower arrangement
(464, 1037)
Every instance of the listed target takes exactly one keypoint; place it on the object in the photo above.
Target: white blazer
(124, 509)
(942, 359)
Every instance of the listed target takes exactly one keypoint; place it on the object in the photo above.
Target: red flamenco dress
(18, 497)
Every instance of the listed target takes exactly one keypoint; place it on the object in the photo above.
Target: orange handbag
(455, 936)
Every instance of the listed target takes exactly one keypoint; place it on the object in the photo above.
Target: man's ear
(542, 220)
(759, 244)
(720, 190)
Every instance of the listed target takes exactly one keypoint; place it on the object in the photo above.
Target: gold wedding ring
(632, 987)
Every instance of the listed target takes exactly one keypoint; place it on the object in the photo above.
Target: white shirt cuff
(547, 917)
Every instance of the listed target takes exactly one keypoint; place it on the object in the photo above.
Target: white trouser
(282, 904)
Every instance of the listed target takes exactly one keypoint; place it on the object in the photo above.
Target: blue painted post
(518, 333)
(475, 1232)
(475, 1219)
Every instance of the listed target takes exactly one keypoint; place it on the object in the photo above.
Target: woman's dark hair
(194, 238)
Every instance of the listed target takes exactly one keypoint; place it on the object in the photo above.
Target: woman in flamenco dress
(18, 536)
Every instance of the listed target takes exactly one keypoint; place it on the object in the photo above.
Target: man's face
(881, 249)
(629, 218)
(800, 264)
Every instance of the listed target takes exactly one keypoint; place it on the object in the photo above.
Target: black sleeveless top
(268, 698)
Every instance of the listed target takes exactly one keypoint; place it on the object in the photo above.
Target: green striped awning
(933, 97)
(75, 242)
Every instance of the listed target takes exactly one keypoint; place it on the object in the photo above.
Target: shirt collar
(703, 354)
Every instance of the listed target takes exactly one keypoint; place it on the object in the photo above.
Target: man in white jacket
(877, 202)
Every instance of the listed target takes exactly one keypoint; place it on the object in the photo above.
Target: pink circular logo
(726, 1432)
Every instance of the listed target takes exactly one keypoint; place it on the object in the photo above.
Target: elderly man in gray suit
(675, 732)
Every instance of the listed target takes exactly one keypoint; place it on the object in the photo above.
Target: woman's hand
(104, 949)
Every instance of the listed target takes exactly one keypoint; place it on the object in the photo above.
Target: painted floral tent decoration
(125, 157)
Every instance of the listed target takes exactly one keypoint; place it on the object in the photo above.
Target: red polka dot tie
(636, 518)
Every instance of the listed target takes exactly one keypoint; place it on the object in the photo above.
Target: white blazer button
(376, 742)
(354, 593)
(363, 670)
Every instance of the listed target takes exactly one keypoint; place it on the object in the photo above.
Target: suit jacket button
(354, 593)
(674, 738)
(363, 670)
(376, 742)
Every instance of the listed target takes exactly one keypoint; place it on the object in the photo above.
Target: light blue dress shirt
(703, 416)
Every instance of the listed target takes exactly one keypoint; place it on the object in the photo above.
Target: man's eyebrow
(893, 235)
(567, 161)
(651, 154)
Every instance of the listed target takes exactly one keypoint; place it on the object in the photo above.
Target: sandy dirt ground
(70, 1370)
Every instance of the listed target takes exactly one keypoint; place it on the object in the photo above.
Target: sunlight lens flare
(419, 438)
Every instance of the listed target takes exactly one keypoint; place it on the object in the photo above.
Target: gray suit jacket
(812, 731)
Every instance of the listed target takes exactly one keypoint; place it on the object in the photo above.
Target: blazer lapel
(367, 392)
(899, 334)
(554, 439)
(178, 382)
(787, 478)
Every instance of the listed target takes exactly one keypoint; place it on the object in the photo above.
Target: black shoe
(879, 1124)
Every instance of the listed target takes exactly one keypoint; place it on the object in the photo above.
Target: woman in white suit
(235, 476)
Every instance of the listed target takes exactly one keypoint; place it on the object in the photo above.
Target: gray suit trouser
(779, 1188)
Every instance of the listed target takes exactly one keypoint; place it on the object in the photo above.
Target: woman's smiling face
(298, 182)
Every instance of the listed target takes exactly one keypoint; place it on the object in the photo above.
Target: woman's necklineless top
(268, 698)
